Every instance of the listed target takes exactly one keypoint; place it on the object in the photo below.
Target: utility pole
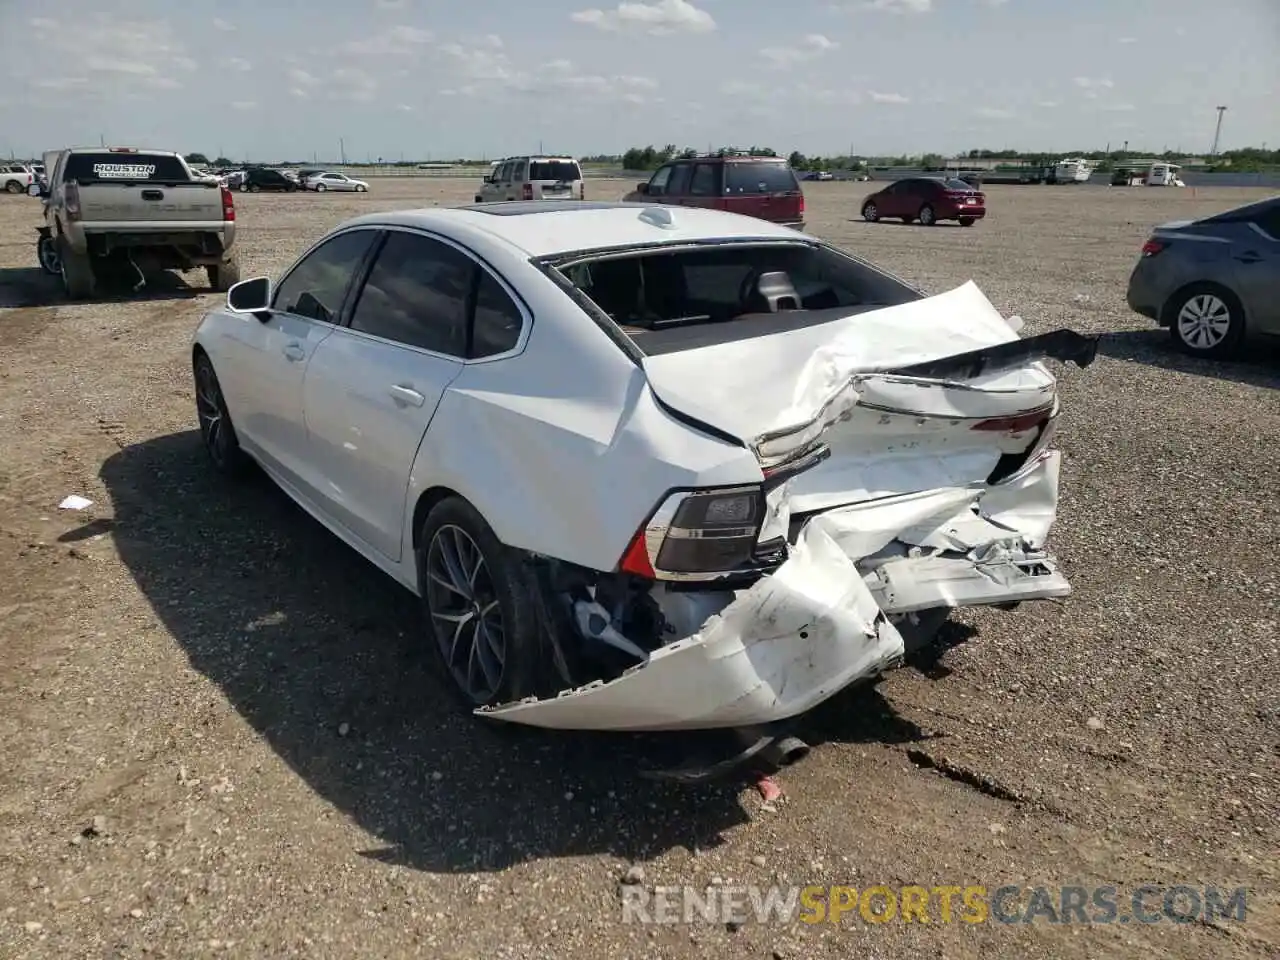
(342, 151)
(1217, 132)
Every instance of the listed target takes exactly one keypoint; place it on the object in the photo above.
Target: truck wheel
(47, 253)
(13, 186)
(223, 276)
(77, 272)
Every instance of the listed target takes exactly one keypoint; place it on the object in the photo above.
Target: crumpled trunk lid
(869, 388)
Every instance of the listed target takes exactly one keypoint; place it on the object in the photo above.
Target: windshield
(557, 170)
(956, 184)
(726, 286)
(130, 167)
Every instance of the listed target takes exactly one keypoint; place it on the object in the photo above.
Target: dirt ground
(219, 736)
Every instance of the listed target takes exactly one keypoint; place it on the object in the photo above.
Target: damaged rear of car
(897, 464)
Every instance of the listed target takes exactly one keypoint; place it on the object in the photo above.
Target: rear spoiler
(1061, 345)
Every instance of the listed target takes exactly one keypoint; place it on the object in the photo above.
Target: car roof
(542, 228)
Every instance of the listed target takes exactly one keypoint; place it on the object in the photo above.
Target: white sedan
(646, 468)
(335, 181)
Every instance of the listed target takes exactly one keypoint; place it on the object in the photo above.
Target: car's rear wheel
(13, 186)
(244, 188)
(321, 188)
(47, 254)
(1206, 321)
(217, 433)
(926, 216)
(966, 221)
(254, 188)
(870, 212)
(477, 600)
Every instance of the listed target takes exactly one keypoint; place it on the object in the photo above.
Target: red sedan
(927, 199)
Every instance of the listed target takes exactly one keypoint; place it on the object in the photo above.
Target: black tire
(362, 189)
(77, 272)
(1220, 329)
(217, 432)
(926, 216)
(13, 186)
(47, 256)
(479, 199)
(501, 585)
(244, 188)
(223, 276)
(966, 221)
(321, 188)
(254, 188)
(870, 212)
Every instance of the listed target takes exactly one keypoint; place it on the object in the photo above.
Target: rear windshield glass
(728, 286)
(768, 177)
(124, 166)
(554, 170)
(954, 184)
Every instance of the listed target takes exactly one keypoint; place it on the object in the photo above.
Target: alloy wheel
(209, 407)
(1204, 321)
(466, 617)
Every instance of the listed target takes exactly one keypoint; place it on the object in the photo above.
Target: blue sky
(494, 77)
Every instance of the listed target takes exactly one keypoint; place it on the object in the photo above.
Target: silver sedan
(335, 181)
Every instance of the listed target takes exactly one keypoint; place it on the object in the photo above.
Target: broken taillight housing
(698, 535)
(1152, 247)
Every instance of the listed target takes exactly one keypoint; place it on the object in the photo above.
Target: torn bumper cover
(826, 617)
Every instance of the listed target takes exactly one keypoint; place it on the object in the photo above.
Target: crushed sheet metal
(780, 648)
(1028, 503)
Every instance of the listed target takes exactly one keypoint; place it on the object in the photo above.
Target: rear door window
(557, 170)
(759, 178)
(704, 181)
(417, 294)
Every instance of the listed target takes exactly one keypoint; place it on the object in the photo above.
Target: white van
(533, 178)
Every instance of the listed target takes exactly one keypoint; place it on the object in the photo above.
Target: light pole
(1217, 132)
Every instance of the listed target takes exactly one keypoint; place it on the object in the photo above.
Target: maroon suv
(927, 199)
(763, 187)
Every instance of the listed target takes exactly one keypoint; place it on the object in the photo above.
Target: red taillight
(228, 204)
(636, 560)
(1015, 424)
(802, 203)
(1151, 248)
(527, 192)
(71, 194)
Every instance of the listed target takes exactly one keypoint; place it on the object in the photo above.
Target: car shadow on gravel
(32, 287)
(1258, 366)
(316, 649)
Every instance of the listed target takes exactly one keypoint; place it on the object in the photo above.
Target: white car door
(371, 391)
(268, 357)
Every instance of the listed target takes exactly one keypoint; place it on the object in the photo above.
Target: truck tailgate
(153, 206)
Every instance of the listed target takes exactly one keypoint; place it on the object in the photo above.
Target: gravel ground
(219, 737)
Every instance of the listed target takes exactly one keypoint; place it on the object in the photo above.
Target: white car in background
(647, 468)
(322, 182)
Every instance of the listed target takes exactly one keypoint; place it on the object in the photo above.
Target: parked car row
(270, 179)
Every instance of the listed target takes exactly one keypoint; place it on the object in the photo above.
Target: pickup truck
(16, 177)
(121, 210)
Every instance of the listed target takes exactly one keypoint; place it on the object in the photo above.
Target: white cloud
(237, 63)
(394, 41)
(559, 66)
(1092, 83)
(813, 45)
(658, 18)
(895, 98)
(1127, 40)
(994, 113)
(1119, 108)
(60, 83)
(118, 56)
(808, 93)
(392, 4)
(299, 93)
(244, 105)
(301, 78)
(899, 6)
(355, 84)
(480, 63)
(1047, 104)
(404, 107)
(223, 25)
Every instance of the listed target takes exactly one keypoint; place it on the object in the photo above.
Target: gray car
(1215, 281)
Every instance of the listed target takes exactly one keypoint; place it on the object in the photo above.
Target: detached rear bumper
(825, 618)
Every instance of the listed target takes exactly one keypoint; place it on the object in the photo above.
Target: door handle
(406, 396)
(293, 352)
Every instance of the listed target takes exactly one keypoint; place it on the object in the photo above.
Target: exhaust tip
(784, 752)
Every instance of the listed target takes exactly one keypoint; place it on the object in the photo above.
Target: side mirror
(250, 296)
(642, 187)
(35, 189)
